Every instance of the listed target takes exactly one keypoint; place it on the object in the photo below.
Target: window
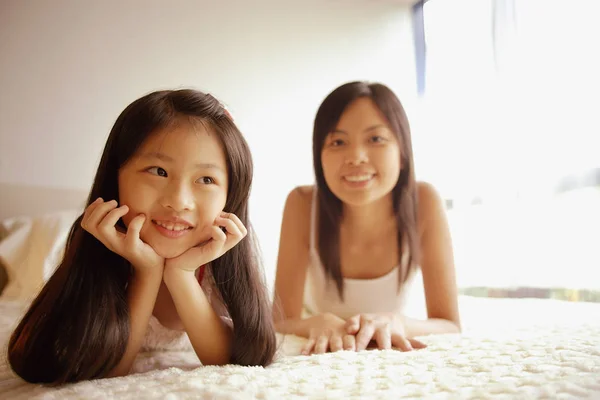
(507, 129)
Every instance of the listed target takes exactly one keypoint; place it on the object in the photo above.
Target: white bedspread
(551, 350)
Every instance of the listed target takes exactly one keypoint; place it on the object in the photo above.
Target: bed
(509, 348)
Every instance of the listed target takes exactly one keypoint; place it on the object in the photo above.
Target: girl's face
(361, 157)
(178, 179)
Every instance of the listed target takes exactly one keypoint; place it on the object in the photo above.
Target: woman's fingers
(383, 337)
(353, 325)
(401, 343)
(309, 346)
(417, 344)
(364, 336)
(322, 344)
(349, 342)
(336, 343)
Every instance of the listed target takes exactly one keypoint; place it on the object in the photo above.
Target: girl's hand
(328, 334)
(100, 219)
(220, 242)
(386, 329)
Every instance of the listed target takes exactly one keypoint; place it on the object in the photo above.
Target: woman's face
(361, 157)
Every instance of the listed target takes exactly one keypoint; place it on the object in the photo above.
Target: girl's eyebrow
(158, 155)
(168, 159)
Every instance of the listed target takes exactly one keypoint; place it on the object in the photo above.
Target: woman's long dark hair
(404, 197)
(77, 327)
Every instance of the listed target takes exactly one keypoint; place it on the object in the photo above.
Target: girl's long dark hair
(404, 197)
(77, 327)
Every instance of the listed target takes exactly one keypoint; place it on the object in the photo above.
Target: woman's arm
(431, 326)
(141, 296)
(437, 266)
(292, 263)
(210, 336)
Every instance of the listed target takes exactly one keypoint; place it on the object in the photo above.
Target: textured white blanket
(550, 350)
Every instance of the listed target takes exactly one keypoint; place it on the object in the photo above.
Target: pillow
(32, 250)
(3, 276)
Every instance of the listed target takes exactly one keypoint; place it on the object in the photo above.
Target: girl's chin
(170, 252)
(166, 250)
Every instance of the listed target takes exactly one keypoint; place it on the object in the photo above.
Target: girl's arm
(100, 219)
(210, 336)
(141, 296)
(437, 266)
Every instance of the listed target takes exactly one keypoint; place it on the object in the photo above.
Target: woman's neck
(369, 219)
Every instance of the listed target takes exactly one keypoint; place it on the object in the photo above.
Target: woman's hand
(386, 329)
(100, 219)
(221, 241)
(328, 333)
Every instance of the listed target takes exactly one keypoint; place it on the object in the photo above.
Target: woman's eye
(207, 180)
(377, 139)
(336, 143)
(157, 171)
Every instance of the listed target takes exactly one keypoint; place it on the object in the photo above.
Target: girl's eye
(377, 139)
(336, 142)
(157, 171)
(207, 180)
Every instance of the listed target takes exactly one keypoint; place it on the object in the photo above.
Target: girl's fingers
(134, 229)
(94, 204)
(237, 221)
(233, 235)
(98, 214)
(88, 211)
(107, 225)
(229, 226)
(217, 234)
(107, 231)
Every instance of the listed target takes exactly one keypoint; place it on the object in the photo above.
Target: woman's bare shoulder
(300, 198)
(430, 203)
(297, 213)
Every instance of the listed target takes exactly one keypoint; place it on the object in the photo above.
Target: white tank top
(361, 296)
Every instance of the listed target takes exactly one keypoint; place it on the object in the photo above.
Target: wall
(68, 67)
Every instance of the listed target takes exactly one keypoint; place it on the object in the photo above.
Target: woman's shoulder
(300, 199)
(297, 213)
(305, 191)
(427, 192)
(430, 203)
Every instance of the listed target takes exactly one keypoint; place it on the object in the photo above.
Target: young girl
(168, 210)
(350, 245)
